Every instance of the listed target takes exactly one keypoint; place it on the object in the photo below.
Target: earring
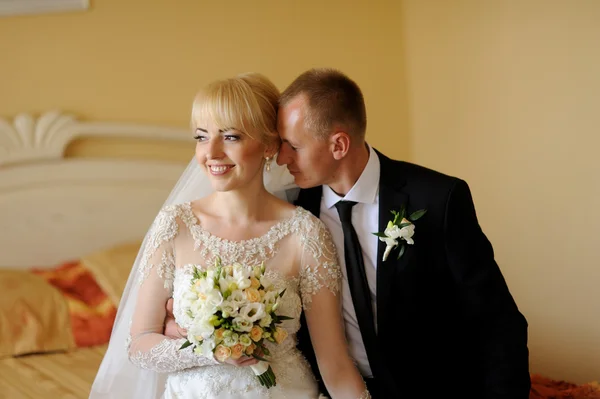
(268, 164)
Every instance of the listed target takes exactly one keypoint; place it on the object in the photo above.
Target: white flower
(253, 311)
(237, 299)
(245, 340)
(201, 327)
(229, 309)
(241, 276)
(390, 244)
(207, 348)
(394, 233)
(266, 282)
(242, 324)
(265, 321)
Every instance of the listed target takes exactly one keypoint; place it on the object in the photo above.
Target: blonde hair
(246, 102)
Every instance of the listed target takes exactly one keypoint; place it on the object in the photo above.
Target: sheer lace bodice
(298, 254)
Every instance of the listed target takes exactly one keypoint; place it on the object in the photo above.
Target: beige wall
(506, 94)
(142, 61)
(501, 93)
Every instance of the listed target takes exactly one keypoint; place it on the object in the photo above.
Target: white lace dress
(299, 255)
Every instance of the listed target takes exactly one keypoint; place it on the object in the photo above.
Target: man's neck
(350, 169)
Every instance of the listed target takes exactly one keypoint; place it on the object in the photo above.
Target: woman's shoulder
(310, 224)
(171, 217)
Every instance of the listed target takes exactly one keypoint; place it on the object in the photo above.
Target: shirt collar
(366, 187)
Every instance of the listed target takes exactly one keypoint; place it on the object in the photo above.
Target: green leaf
(402, 225)
(417, 214)
(380, 235)
(282, 292)
(401, 252)
(280, 317)
(185, 345)
(402, 211)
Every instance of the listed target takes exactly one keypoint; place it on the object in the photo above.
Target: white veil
(118, 378)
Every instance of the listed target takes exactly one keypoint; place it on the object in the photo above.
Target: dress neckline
(273, 230)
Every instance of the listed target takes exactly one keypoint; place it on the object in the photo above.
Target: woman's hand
(242, 361)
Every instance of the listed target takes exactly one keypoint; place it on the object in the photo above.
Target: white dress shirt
(365, 219)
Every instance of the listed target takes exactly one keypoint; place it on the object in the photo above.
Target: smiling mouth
(218, 170)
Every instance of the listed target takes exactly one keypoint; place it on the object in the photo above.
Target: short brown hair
(334, 100)
(247, 102)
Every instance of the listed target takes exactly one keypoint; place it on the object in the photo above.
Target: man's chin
(303, 183)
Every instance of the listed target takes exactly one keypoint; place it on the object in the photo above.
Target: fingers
(242, 361)
(170, 307)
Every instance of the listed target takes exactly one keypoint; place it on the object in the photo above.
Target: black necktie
(357, 279)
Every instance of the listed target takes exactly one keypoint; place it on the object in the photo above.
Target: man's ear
(339, 143)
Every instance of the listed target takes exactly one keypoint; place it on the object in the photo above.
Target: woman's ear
(271, 149)
(339, 143)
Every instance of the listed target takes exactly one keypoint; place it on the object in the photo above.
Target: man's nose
(283, 157)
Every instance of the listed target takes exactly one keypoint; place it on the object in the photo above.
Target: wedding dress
(299, 255)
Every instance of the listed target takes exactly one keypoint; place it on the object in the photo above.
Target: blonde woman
(222, 209)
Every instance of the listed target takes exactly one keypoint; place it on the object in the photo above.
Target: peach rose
(256, 333)
(222, 353)
(254, 283)
(219, 334)
(252, 295)
(280, 335)
(250, 349)
(237, 351)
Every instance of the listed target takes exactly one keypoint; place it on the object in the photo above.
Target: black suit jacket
(447, 323)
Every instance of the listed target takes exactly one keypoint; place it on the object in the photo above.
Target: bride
(230, 204)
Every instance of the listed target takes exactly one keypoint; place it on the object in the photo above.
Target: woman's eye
(232, 137)
(200, 138)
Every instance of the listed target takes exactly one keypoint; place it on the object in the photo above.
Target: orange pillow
(92, 313)
(34, 316)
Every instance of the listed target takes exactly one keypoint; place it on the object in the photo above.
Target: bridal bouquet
(232, 312)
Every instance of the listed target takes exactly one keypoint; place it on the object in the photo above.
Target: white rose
(265, 321)
(245, 340)
(242, 324)
(231, 339)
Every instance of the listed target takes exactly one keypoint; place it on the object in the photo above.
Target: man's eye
(200, 137)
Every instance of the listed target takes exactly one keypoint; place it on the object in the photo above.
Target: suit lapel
(391, 198)
(310, 199)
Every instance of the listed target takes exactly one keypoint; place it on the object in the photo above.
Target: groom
(437, 321)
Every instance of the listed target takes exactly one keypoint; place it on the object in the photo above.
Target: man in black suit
(437, 321)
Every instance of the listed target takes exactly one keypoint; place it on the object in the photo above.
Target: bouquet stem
(265, 374)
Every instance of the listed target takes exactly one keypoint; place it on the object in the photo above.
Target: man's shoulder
(415, 174)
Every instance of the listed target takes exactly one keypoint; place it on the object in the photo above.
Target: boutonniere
(401, 228)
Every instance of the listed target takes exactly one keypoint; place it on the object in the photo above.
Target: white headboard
(55, 209)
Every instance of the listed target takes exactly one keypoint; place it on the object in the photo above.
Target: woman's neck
(241, 206)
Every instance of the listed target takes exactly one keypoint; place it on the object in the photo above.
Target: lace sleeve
(319, 267)
(148, 348)
(320, 283)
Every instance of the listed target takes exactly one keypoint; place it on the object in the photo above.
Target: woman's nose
(215, 148)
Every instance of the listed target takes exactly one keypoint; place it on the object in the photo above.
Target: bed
(76, 198)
